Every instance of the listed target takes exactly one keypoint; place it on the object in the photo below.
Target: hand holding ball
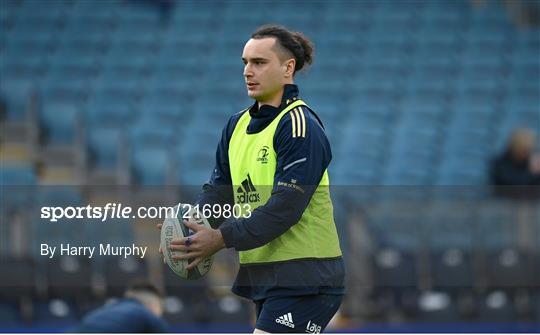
(177, 243)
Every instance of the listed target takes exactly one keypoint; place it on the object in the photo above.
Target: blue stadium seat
(152, 166)
(87, 11)
(149, 132)
(114, 113)
(118, 89)
(139, 12)
(72, 89)
(361, 173)
(452, 269)
(463, 169)
(88, 33)
(73, 61)
(394, 270)
(60, 122)
(135, 38)
(17, 175)
(104, 145)
(166, 114)
(197, 169)
(60, 196)
(392, 225)
(16, 94)
(119, 272)
(23, 65)
(429, 36)
(68, 277)
(182, 54)
(496, 224)
(26, 31)
(34, 8)
(115, 232)
(368, 115)
(523, 57)
(165, 85)
(168, 103)
(483, 67)
(456, 219)
(529, 96)
(509, 269)
(403, 174)
(125, 60)
(27, 44)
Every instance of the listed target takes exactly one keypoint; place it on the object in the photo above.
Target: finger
(182, 240)
(193, 226)
(160, 250)
(194, 263)
(179, 247)
(159, 225)
(188, 255)
(178, 241)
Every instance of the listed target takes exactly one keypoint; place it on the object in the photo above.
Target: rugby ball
(173, 228)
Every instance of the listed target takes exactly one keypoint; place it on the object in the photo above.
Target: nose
(247, 71)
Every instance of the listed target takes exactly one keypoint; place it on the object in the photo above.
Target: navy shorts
(301, 314)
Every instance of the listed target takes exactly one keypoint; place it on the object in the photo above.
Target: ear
(289, 67)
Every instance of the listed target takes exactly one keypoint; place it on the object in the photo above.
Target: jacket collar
(290, 94)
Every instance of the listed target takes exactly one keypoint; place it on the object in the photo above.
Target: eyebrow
(257, 59)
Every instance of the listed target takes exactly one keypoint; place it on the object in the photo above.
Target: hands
(203, 243)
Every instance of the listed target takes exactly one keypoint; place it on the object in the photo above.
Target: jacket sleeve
(303, 154)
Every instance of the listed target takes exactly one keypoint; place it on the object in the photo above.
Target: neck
(275, 100)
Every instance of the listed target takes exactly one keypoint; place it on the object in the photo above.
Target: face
(522, 145)
(264, 72)
(522, 152)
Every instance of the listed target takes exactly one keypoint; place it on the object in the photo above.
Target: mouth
(251, 86)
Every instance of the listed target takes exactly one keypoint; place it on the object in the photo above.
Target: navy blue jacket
(125, 316)
(301, 160)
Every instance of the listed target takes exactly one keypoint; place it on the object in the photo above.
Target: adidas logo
(286, 320)
(247, 192)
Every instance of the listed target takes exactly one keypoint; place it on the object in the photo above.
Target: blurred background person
(518, 164)
(139, 311)
(515, 173)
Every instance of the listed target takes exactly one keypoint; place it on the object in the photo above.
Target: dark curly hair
(294, 43)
